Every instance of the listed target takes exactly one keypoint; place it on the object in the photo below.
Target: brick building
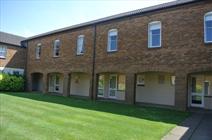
(159, 55)
(12, 54)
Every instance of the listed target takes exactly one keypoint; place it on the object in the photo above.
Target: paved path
(196, 127)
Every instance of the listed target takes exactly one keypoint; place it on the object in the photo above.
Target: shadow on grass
(148, 113)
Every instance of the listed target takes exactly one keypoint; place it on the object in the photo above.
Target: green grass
(44, 117)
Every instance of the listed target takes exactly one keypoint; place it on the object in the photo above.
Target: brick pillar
(181, 96)
(29, 83)
(66, 83)
(45, 83)
(130, 88)
(95, 87)
(90, 87)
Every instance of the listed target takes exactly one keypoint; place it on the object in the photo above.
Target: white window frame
(4, 52)
(37, 50)
(205, 36)
(78, 45)
(54, 48)
(109, 41)
(150, 35)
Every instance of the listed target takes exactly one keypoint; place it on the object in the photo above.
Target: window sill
(112, 51)
(80, 54)
(208, 42)
(56, 56)
(154, 47)
(2, 57)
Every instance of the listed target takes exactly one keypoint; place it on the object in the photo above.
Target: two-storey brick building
(159, 55)
(12, 54)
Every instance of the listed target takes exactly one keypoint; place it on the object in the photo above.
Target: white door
(112, 86)
(197, 92)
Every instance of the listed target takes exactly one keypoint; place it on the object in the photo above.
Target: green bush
(11, 82)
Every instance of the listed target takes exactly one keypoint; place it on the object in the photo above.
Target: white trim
(207, 14)
(108, 41)
(149, 34)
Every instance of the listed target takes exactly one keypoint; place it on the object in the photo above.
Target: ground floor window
(112, 86)
(101, 86)
(54, 83)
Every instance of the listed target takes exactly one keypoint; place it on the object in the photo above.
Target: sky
(32, 17)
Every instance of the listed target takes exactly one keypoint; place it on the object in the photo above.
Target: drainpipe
(93, 64)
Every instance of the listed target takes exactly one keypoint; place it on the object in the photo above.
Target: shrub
(11, 82)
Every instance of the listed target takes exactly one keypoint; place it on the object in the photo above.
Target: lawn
(43, 117)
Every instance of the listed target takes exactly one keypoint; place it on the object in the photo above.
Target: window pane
(113, 82)
(209, 34)
(209, 23)
(101, 82)
(80, 47)
(57, 79)
(113, 45)
(206, 87)
(197, 86)
(155, 40)
(121, 82)
(157, 32)
(2, 51)
(100, 92)
(56, 47)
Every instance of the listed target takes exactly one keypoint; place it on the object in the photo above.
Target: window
(208, 27)
(154, 34)
(101, 86)
(54, 83)
(121, 82)
(3, 51)
(80, 45)
(56, 48)
(140, 80)
(38, 51)
(112, 40)
(207, 88)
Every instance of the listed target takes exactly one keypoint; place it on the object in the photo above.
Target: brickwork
(183, 49)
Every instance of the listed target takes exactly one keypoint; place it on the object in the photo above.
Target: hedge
(11, 82)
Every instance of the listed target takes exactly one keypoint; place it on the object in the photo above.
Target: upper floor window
(80, 45)
(154, 34)
(208, 27)
(38, 51)
(112, 40)
(56, 51)
(3, 51)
